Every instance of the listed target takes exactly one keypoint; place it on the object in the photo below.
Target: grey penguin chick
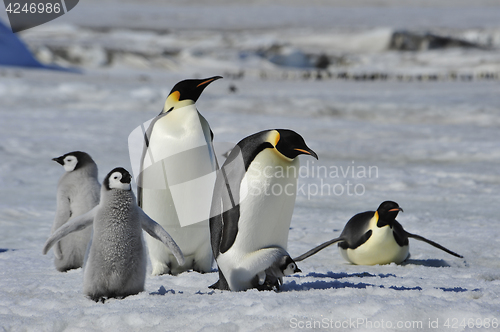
(78, 192)
(116, 262)
(272, 277)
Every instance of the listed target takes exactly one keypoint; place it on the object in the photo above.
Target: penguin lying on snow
(178, 155)
(77, 193)
(252, 207)
(116, 262)
(374, 237)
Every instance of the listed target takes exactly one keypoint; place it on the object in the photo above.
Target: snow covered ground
(431, 145)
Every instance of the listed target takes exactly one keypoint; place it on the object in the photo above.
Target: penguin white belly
(267, 199)
(380, 248)
(177, 187)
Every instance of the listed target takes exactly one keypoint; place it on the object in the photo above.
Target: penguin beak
(297, 270)
(308, 151)
(208, 81)
(59, 160)
(394, 210)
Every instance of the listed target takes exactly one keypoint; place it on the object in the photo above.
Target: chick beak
(59, 160)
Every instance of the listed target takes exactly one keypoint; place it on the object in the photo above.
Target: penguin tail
(318, 248)
(221, 283)
(432, 243)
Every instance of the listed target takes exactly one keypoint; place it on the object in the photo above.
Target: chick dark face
(118, 178)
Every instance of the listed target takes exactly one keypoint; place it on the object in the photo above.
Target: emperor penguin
(115, 265)
(375, 237)
(176, 180)
(252, 207)
(78, 192)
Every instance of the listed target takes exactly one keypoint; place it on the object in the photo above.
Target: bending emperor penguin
(116, 261)
(175, 185)
(252, 208)
(375, 237)
(77, 193)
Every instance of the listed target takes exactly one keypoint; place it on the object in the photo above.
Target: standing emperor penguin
(176, 180)
(375, 237)
(77, 193)
(116, 261)
(252, 209)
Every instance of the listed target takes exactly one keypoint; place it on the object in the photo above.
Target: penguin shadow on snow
(335, 283)
(163, 291)
(426, 262)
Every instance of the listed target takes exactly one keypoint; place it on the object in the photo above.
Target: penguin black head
(74, 160)
(387, 213)
(288, 266)
(186, 93)
(286, 143)
(290, 144)
(118, 178)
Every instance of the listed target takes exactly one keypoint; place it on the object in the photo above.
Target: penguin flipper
(156, 231)
(58, 251)
(318, 248)
(63, 212)
(432, 243)
(225, 209)
(74, 224)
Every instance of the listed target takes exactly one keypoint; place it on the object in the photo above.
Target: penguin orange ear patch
(274, 137)
(172, 99)
(174, 96)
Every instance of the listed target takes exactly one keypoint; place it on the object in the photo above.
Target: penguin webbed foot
(270, 283)
(97, 298)
(103, 298)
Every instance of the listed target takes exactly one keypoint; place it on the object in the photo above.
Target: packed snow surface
(430, 145)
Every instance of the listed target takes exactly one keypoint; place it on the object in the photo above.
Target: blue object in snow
(13, 52)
